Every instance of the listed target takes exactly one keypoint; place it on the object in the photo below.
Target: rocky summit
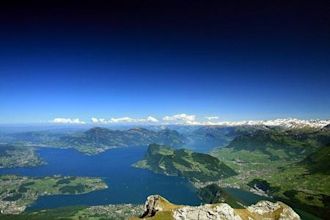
(157, 207)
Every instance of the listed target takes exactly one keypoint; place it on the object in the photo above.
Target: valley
(282, 165)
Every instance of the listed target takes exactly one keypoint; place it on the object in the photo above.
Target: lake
(126, 183)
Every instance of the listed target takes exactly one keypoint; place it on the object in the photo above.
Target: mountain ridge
(194, 166)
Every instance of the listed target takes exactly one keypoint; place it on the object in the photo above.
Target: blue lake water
(126, 183)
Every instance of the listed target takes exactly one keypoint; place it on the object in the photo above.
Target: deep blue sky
(237, 60)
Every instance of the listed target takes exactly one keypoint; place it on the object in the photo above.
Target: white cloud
(149, 119)
(67, 121)
(178, 117)
(181, 119)
(152, 119)
(95, 120)
(99, 120)
(121, 120)
(211, 118)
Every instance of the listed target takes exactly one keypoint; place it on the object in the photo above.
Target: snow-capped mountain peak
(286, 122)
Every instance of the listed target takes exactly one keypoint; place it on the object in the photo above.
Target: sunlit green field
(289, 180)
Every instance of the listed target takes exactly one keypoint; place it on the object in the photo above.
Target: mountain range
(281, 122)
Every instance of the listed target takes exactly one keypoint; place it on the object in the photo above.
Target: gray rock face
(266, 208)
(206, 212)
(151, 206)
(261, 211)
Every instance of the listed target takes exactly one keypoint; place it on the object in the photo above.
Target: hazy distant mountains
(302, 140)
(102, 138)
(285, 123)
(291, 133)
(97, 139)
(205, 138)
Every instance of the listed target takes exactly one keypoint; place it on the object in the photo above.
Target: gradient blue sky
(235, 61)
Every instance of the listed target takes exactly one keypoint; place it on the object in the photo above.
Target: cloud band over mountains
(173, 119)
(186, 119)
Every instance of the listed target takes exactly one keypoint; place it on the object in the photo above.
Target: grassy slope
(319, 161)
(276, 158)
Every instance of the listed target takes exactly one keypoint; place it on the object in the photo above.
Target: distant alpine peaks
(286, 122)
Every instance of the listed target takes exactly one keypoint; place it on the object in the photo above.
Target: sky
(234, 60)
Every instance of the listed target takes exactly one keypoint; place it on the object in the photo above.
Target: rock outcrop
(206, 212)
(152, 206)
(156, 207)
(277, 210)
